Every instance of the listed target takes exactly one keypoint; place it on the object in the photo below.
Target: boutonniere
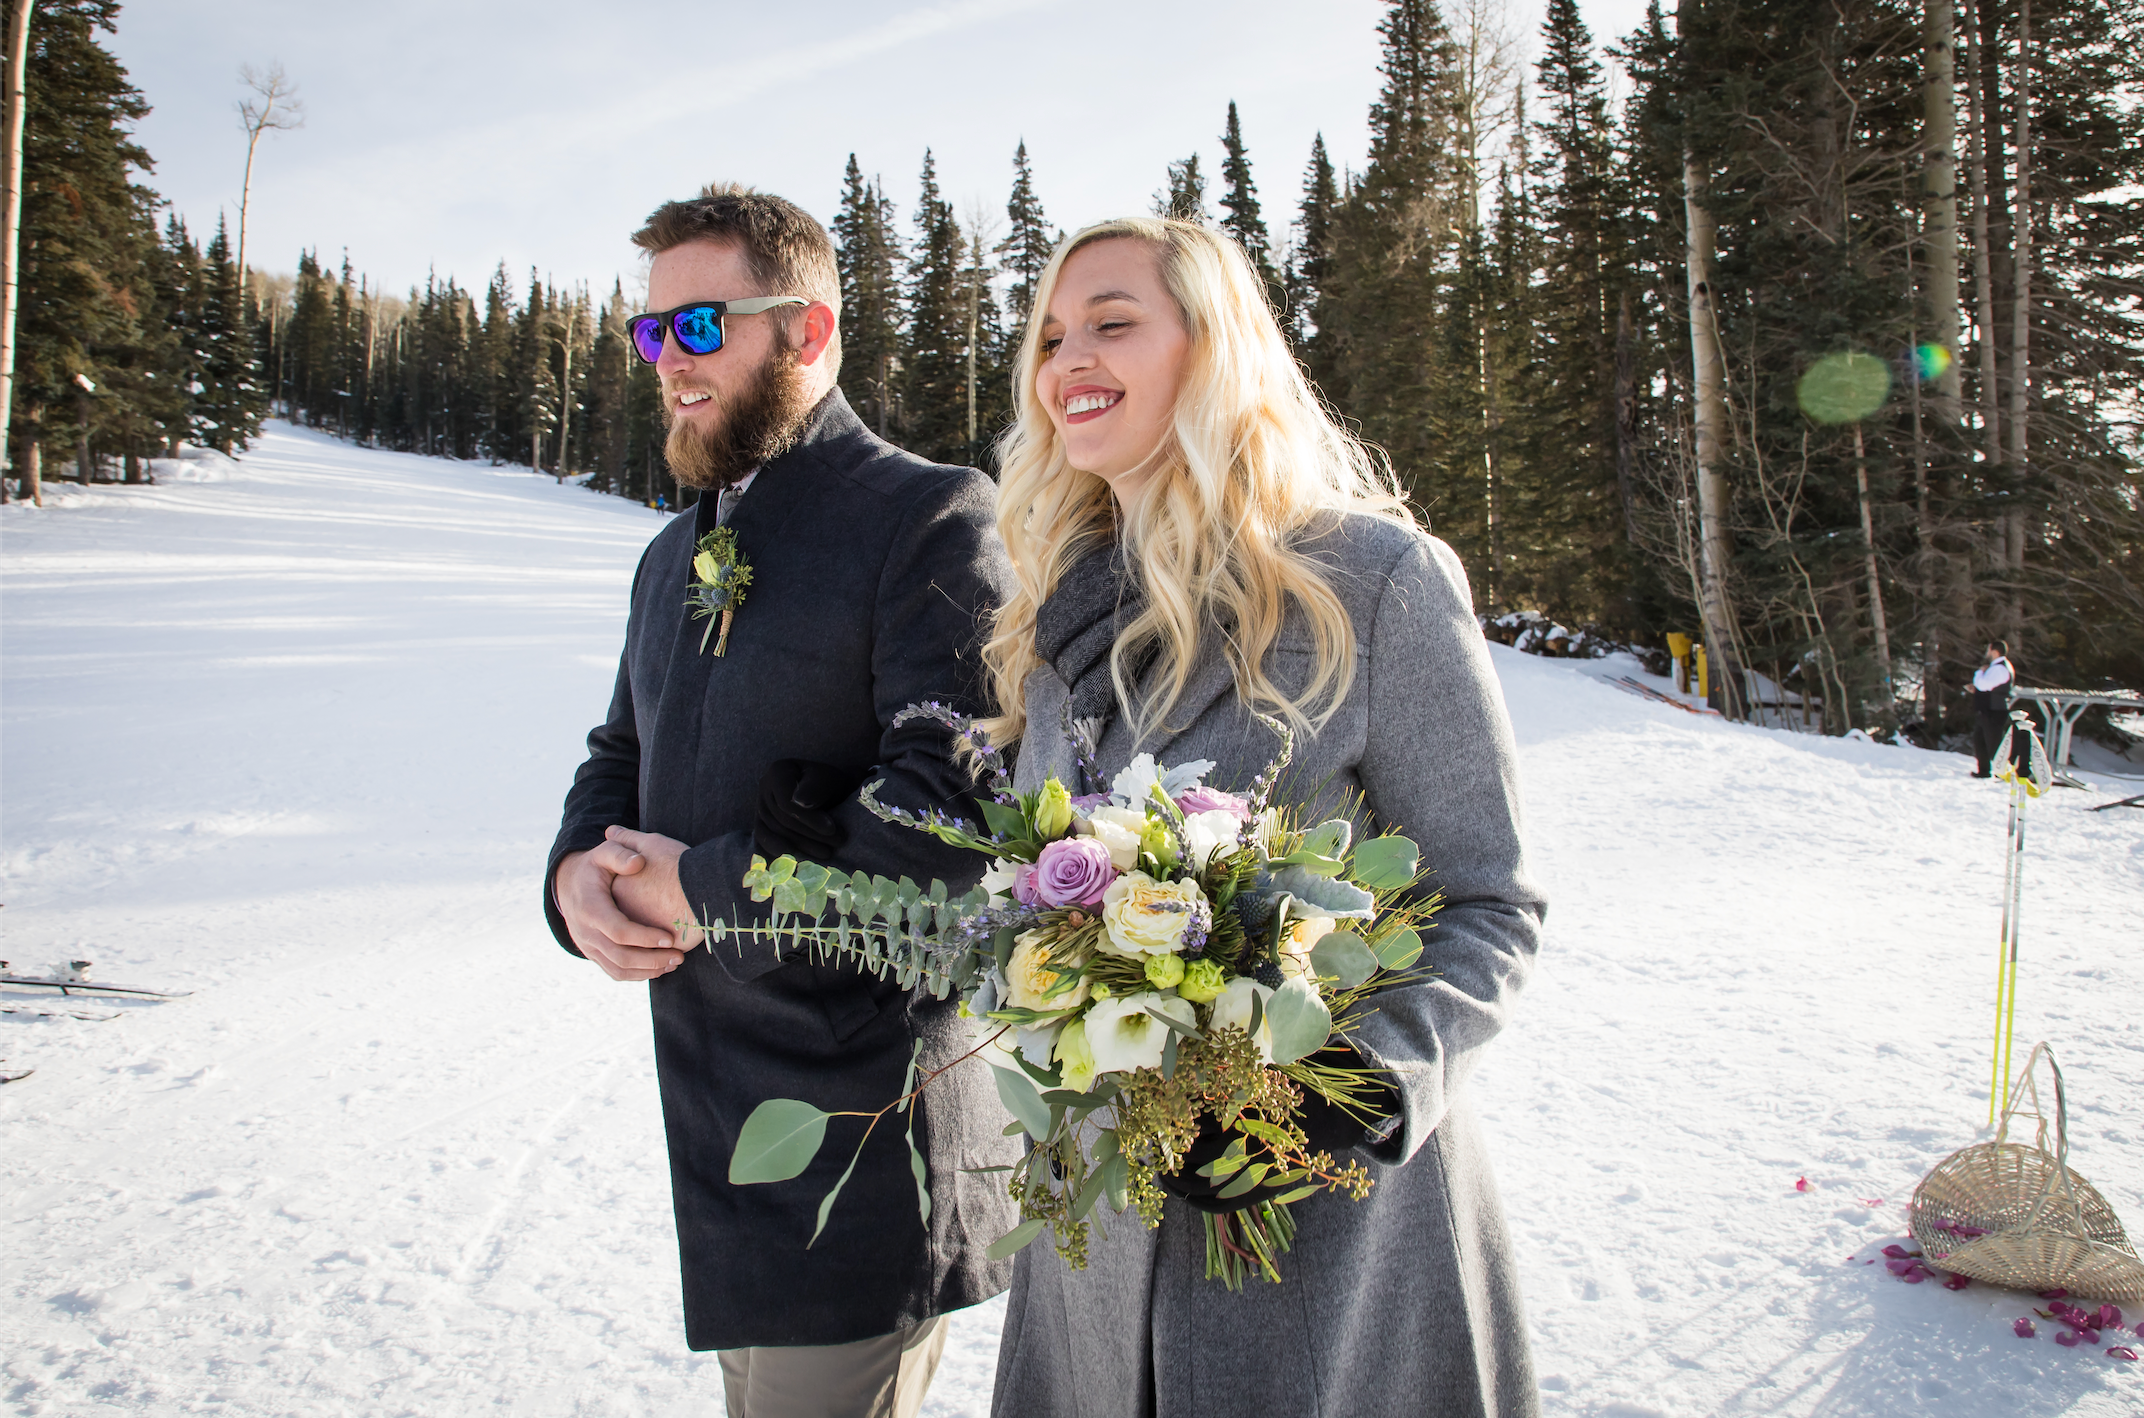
(720, 573)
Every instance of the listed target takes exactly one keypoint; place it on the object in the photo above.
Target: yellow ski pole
(2005, 955)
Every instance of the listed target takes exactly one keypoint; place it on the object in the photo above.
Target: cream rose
(1142, 916)
(1029, 976)
(1119, 829)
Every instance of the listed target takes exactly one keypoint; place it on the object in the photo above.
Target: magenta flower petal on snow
(2122, 1351)
(2067, 1339)
(1073, 871)
(2109, 1317)
(2023, 1328)
(1896, 1252)
(1955, 1282)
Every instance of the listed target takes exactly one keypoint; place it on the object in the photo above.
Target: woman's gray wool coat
(1407, 1302)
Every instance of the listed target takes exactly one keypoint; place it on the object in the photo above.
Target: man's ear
(818, 328)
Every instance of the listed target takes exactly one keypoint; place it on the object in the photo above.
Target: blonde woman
(1194, 539)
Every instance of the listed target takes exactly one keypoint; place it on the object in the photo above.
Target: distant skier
(662, 504)
(1992, 683)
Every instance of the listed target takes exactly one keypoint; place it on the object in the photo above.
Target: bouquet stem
(1240, 1243)
(722, 641)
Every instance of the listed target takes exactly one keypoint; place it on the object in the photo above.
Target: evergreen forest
(1823, 343)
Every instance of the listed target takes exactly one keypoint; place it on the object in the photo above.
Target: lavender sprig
(1268, 779)
(970, 736)
(1083, 753)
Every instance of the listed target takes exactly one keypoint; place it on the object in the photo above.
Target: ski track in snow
(292, 734)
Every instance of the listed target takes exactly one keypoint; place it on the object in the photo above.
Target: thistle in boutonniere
(720, 573)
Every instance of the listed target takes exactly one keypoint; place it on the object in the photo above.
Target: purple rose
(1023, 886)
(1204, 799)
(1074, 871)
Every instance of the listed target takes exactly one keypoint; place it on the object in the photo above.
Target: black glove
(1327, 1127)
(794, 798)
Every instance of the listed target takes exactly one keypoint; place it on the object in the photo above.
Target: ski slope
(291, 734)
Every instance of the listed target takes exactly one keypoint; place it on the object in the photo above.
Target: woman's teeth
(1087, 403)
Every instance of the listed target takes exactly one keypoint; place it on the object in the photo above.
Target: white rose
(1123, 1035)
(1208, 832)
(1118, 829)
(1232, 1010)
(1142, 916)
(1029, 975)
(1296, 945)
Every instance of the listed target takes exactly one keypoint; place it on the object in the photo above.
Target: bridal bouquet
(1140, 965)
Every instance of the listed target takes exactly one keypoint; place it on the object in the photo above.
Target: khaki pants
(884, 1377)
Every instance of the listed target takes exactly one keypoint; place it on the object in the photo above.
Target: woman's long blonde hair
(1251, 458)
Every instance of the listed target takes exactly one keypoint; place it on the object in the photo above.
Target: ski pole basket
(2015, 1215)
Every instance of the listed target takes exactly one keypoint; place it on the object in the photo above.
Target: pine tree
(1185, 196)
(233, 397)
(89, 251)
(1310, 270)
(1239, 201)
(1390, 298)
(1581, 509)
(936, 411)
(867, 252)
(1028, 245)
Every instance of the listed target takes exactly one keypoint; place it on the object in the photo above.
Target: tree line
(1825, 343)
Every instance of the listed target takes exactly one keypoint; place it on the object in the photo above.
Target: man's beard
(757, 427)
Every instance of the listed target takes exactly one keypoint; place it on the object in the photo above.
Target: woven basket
(2045, 1227)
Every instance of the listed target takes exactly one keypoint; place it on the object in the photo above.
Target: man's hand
(644, 882)
(602, 898)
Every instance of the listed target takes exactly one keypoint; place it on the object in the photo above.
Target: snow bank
(295, 740)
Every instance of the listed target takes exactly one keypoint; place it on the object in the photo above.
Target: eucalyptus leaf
(777, 1142)
(1386, 863)
(1016, 1239)
(1301, 1022)
(1397, 952)
(1329, 838)
(1117, 1182)
(923, 1182)
(1023, 1102)
(1249, 1177)
(826, 1204)
(1345, 957)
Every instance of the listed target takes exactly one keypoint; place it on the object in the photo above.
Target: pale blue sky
(451, 135)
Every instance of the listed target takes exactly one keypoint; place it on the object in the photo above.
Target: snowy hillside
(293, 739)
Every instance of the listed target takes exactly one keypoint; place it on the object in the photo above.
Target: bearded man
(871, 573)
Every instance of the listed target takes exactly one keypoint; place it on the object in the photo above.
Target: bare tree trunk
(18, 50)
(2020, 322)
(1626, 413)
(1877, 621)
(565, 392)
(1940, 183)
(33, 483)
(1708, 364)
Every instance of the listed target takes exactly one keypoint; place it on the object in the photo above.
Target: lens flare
(1844, 388)
(1933, 361)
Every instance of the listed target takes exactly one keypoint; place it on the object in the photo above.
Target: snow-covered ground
(292, 734)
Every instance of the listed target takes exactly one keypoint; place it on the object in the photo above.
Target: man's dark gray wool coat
(871, 570)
